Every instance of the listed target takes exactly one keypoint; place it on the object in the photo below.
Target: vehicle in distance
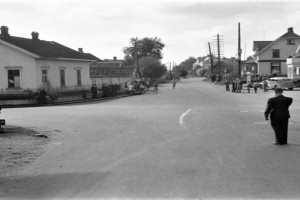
(281, 82)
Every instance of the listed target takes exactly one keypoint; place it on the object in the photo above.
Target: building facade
(270, 56)
(32, 64)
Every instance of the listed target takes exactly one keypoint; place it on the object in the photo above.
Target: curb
(64, 102)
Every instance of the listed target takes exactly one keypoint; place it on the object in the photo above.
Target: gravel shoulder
(19, 147)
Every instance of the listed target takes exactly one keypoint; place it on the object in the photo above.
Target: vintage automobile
(281, 82)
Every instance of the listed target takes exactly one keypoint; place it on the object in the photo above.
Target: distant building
(270, 56)
(293, 64)
(249, 66)
(32, 63)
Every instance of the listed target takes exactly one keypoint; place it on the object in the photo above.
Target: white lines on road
(182, 116)
(261, 122)
(244, 111)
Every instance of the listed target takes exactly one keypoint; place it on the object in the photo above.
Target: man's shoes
(277, 143)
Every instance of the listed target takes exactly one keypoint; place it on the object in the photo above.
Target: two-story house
(270, 56)
(32, 63)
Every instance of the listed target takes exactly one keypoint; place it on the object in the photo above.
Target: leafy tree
(152, 67)
(180, 71)
(143, 48)
(188, 63)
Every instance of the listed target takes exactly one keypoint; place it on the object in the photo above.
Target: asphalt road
(196, 141)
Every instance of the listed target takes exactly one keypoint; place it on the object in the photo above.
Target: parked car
(281, 82)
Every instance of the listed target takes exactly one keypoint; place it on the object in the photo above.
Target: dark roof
(290, 34)
(47, 49)
(110, 69)
(259, 45)
(106, 64)
(249, 61)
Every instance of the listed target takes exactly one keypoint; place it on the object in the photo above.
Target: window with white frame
(44, 75)
(290, 42)
(78, 74)
(13, 78)
(276, 53)
(275, 68)
(62, 78)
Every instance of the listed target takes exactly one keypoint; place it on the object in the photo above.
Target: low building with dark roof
(32, 63)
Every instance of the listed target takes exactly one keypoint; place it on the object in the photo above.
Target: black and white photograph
(149, 99)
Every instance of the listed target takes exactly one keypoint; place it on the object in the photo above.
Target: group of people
(237, 86)
(140, 86)
(108, 90)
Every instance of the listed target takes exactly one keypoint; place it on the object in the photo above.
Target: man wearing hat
(278, 110)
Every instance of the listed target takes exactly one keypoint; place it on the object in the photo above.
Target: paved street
(195, 141)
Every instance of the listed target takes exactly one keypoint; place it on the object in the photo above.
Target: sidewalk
(64, 100)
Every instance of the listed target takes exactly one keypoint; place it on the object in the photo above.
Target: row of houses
(271, 57)
(32, 64)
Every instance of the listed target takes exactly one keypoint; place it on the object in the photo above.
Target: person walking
(155, 87)
(278, 110)
(174, 83)
(248, 86)
(233, 86)
(255, 86)
(265, 85)
(94, 91)
(227, 85)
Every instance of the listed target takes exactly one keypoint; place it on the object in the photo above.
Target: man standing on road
(278, 109)
(174, 83)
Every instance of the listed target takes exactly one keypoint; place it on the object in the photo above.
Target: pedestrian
(174, 83)
(278, 110)
(155, 87)
(233, 86)
(248, 86)
(94, 91)
(239, 85)
(255, 86)
(265, 85)
(227, 85)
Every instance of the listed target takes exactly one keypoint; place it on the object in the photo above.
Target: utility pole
(239, 50)
(218, 48)
(170, 71)
(211, 59)
(219, 60)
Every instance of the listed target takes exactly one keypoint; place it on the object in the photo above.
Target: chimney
(290, 29)
(115, 57)
(35, 35)
(80, 50)
(4, 31)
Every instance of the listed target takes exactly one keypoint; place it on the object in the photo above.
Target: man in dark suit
(278, 109)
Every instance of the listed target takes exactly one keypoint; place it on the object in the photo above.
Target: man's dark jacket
(278, 107)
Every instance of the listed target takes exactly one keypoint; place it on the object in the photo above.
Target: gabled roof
(289, 34)
(259, 45)
(47, 49)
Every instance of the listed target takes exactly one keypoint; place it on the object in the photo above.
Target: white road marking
(182, 116)
(260, 122)
(244, 111)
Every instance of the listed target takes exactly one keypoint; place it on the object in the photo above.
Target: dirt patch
(19, 147)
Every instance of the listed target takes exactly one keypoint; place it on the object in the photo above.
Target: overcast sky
(104, 27)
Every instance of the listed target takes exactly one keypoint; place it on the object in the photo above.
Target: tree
(152, 67)
(143, 48)
(188, 63)
(180, 71)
